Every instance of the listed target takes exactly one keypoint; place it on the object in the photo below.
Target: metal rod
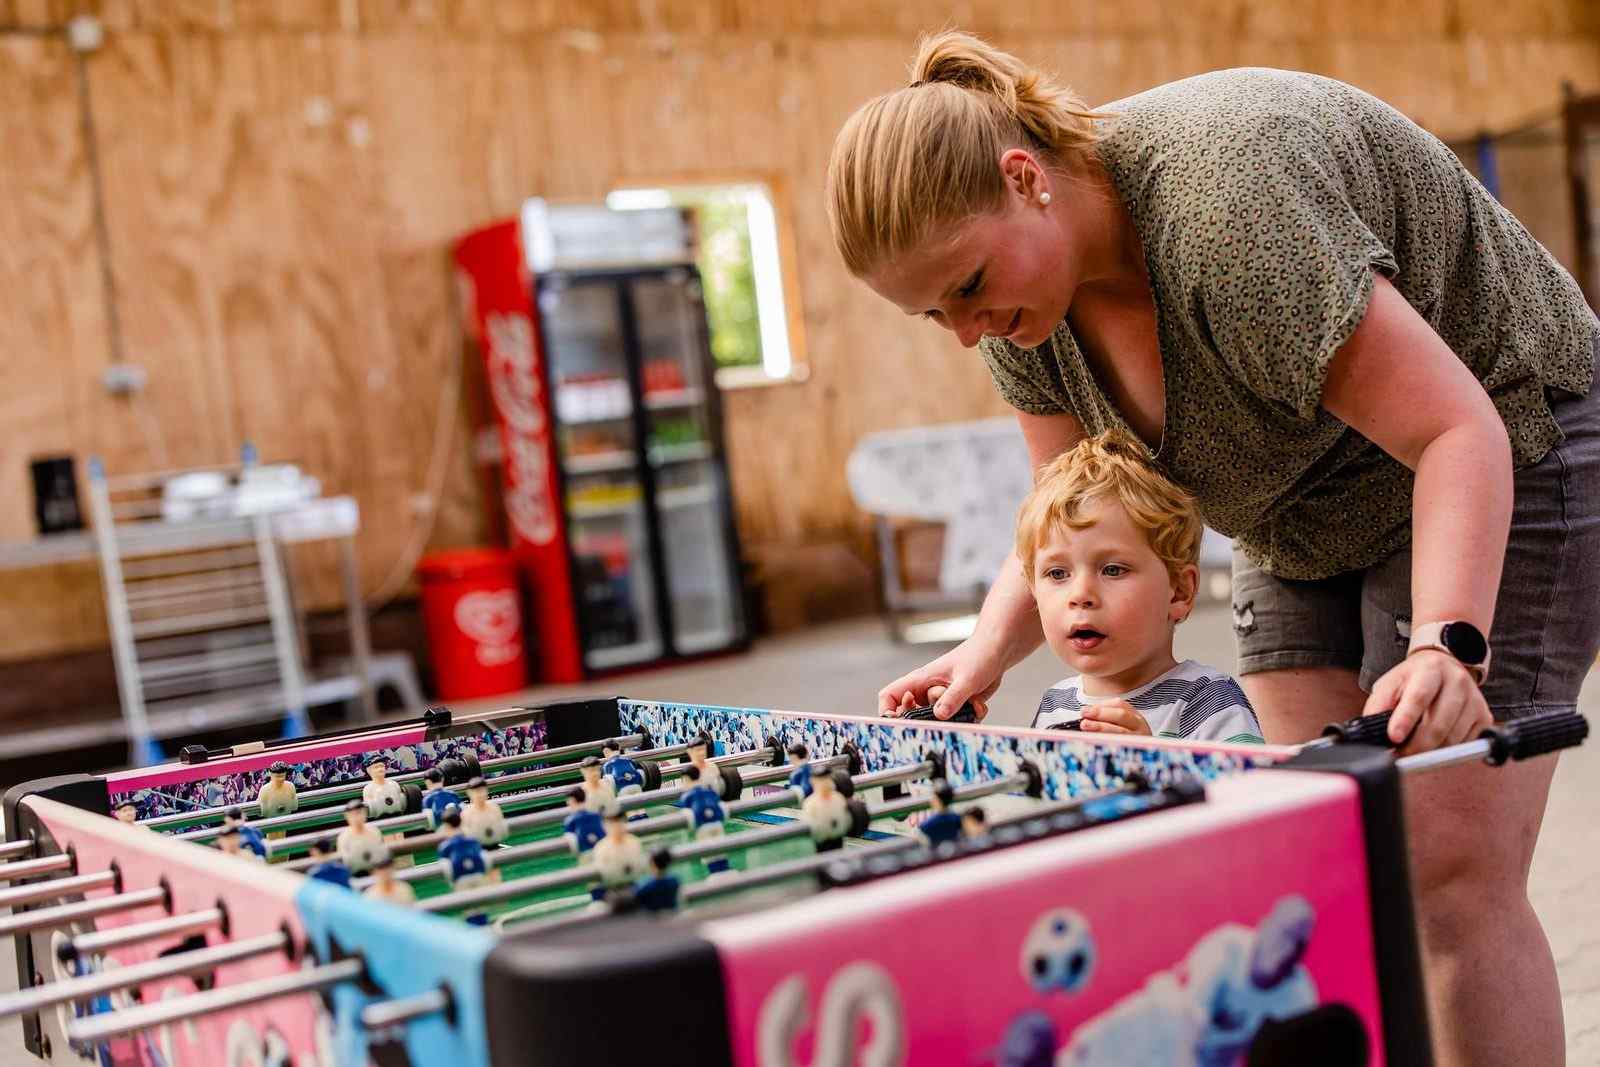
(96, 1028)
(401, 1010)
(11, 872)
(96, 941)
(195, 961)
(1445, 757)
(15, 848)
(545, 755)
(56, 888)
(26, 922)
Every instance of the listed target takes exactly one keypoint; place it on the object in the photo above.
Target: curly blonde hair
(1113, 465)
(926, 156)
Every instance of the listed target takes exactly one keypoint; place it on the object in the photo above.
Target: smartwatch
(1459, 639)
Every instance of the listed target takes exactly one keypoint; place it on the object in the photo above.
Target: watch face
(1464, 642)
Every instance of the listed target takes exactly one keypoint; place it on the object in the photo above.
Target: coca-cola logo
(518, 394)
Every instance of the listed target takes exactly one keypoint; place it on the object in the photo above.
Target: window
(742, 245)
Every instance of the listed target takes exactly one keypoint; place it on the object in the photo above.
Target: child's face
(1106, 601)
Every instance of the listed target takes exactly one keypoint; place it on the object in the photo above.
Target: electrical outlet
(125, 379)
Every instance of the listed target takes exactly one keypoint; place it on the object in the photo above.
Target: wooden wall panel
(283, 179)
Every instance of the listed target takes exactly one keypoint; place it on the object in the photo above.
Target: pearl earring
(1044, 198)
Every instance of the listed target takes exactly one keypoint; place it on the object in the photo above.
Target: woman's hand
(1435, 701)
(968, 672)
(1113, 717)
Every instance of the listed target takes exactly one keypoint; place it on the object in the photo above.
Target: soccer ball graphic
(1058, 954)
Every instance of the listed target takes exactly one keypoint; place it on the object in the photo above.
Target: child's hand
(1115, 717)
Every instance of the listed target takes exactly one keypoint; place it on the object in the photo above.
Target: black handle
(966, 713)
(1366, 730)
(1535, 735)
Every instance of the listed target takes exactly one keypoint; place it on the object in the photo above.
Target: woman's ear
(1185, 587)
(1022, 173)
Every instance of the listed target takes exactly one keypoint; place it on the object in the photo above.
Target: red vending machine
(608, 456)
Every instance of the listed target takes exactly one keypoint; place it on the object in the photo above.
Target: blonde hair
(1111, 466)
(922, 157)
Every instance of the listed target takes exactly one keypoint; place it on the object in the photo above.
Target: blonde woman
(1362, 366)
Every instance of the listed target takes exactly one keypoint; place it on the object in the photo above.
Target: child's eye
(1113, 570)
(971, 288)
(1056, 574)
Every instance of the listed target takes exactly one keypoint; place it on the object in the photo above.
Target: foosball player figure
(582, 827)
(624, 773)
(800, 777)
(706, 813)
(700, 765)
(228, 842)
(359, 845)
(659, 892)
(277, 796)
(250, 838)
(974, 823)
(482, 817)
(328, 867)
(943, 825)
(383, 797)
(619, 857)
(827, 812)
(385, 886)
(128, 812)
(437, 798)
(466, 864)
(599, 794)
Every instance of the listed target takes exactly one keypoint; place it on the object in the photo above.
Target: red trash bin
(472, 608)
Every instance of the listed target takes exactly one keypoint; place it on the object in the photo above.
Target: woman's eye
(1113, 570)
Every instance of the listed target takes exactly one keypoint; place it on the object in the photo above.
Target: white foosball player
(827, 812)
(482, 817)
(600, 795)
(385, 886)
(359, 845)
(382, 797)
(277, 796)
(619, 858)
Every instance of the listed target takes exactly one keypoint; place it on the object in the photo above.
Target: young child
(1109, 546)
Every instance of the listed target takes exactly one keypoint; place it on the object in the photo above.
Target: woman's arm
(1399, 385)
(1008, 626)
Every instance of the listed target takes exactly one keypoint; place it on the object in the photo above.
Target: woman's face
(1008, 274)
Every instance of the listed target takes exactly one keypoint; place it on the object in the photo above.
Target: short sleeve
(1024, 377)
(1280, 260)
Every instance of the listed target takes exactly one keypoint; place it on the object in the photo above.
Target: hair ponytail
(927, 155)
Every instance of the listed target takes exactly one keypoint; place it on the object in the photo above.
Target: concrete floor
(839, 669)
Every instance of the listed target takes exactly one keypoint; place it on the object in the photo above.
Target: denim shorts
(1547, 615)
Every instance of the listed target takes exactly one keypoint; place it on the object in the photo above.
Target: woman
(1368, 372)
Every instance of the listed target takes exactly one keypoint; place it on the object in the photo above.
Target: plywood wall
(282, 179)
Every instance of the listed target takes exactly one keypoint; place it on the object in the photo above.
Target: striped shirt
(1191, 701)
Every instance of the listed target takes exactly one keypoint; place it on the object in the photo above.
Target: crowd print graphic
(1071, 766)
(241, 788)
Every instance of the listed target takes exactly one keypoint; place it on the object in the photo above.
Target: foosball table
(610, 881)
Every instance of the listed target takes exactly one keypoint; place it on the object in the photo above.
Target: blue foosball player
(583, 828)
(467, 866)
(706, 815)
(659, 892)
(944, 825)
(800, 777)
(437, 798)
(624, 773)
(250, 839)
(328, 867)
